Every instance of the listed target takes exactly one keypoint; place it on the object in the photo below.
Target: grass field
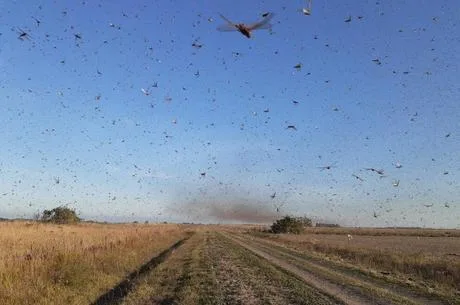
(73, 264)
(176, 264)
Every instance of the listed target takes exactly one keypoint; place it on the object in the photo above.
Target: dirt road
(223, 268)
(210, 268)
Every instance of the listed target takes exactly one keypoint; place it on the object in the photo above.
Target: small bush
(60, 215)
(290, 224)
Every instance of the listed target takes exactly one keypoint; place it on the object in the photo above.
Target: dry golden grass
(405, 254)
(73, 264)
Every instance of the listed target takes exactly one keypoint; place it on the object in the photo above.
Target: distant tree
(290, 224)
(37, 216)
(305, 221)
(61, 215)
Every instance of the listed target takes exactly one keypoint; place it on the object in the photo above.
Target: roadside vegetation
(73, 264)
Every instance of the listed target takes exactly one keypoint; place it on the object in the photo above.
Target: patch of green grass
(199, 282)
(181, 279)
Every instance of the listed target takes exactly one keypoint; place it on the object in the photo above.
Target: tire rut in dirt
(120, 291)
(185, 278)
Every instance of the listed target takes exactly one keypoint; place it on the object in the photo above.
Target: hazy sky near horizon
(143, 110)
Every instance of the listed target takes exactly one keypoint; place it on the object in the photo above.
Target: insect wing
(227, 28)
(228, 21)
(263, 24)
(230, 26)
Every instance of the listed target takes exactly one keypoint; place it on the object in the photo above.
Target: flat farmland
(435, 246)
(196, 264)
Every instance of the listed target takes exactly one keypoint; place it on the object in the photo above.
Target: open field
(414, 245)
(177, 264)
(385, 231)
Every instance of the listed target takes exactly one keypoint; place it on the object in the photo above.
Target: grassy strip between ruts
(183, 279)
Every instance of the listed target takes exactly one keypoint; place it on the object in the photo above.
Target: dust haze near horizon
(146, 111)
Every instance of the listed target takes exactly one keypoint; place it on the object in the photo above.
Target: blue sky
(380, 90)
